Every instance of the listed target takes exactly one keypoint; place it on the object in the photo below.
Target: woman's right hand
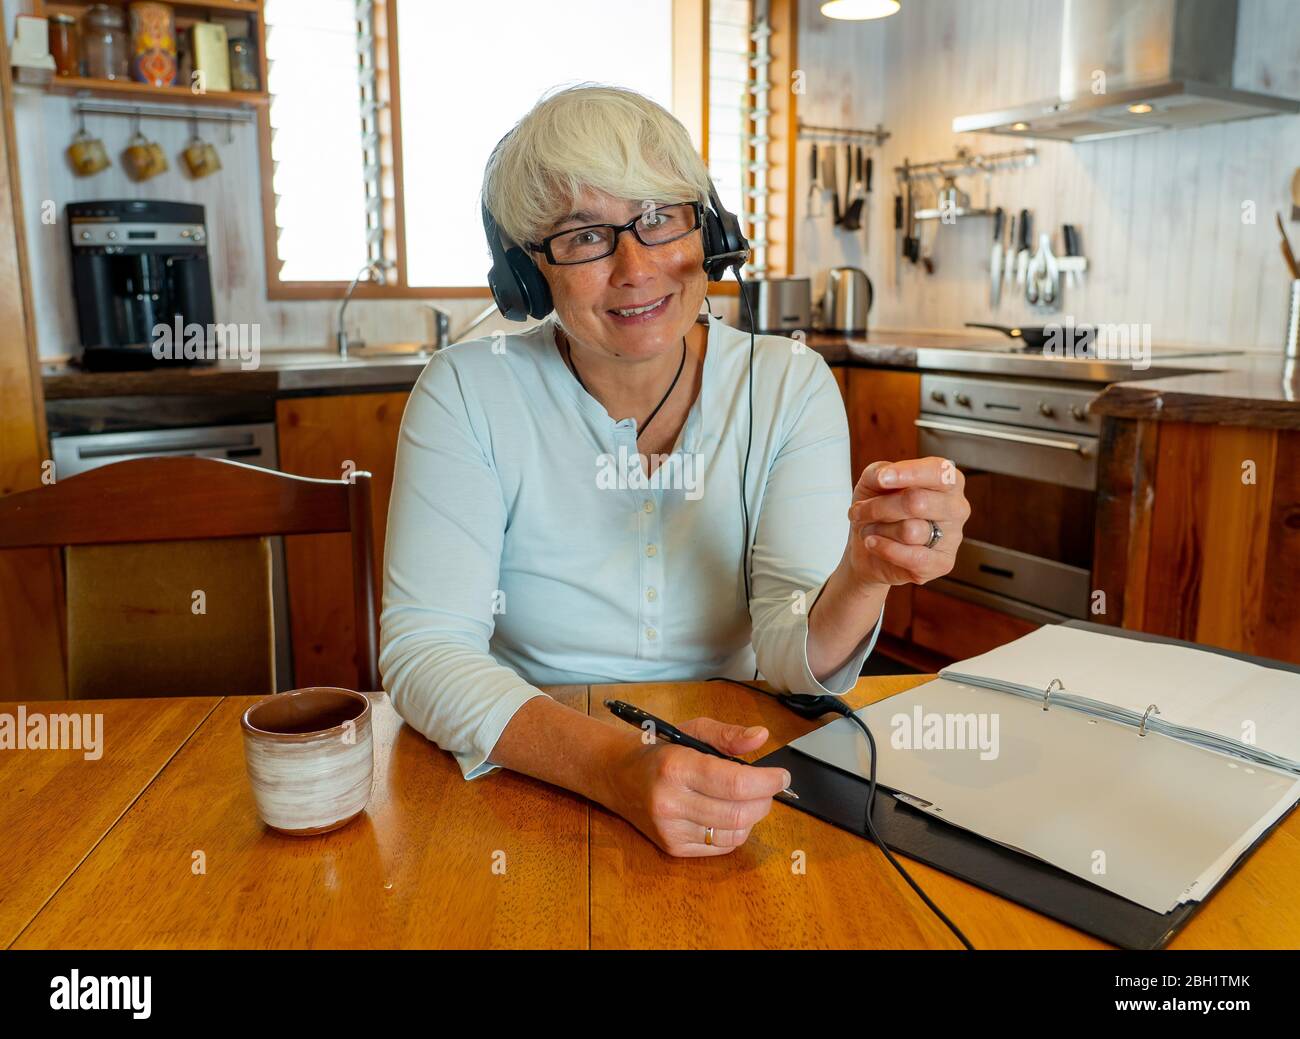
(671, 793)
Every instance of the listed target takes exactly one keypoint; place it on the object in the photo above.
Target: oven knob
(112, 234)
(963, 400)
(1079, 412)
(85, 236)
(1045, 409)
(937, 396)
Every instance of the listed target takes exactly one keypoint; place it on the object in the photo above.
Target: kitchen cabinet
(1198, 533)
(882, 408)
(327, 437)
(959, 629)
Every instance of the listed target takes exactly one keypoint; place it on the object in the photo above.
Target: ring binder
(1052, 686)
(1152, 709)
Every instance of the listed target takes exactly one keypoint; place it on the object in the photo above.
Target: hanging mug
(201, 158)
(143, 158)
(87, 155)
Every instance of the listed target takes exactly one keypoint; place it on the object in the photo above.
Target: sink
(392, 350)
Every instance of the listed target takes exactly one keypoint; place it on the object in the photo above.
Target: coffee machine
(138, 264)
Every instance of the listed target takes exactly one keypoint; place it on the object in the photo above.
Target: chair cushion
(136, 626)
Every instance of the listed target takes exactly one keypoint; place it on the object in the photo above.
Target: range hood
(1137, 66)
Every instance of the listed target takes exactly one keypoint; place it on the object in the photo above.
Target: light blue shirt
(521, 551)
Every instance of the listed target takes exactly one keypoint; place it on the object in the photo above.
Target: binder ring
(1052, 687)
(1152, 709)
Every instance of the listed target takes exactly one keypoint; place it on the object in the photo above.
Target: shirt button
(650, 550)
(650, 633)
(651, 595)
(649, 506)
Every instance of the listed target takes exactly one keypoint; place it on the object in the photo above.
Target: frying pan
(1035, 337)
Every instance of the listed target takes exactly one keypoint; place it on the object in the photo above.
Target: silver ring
(708, 835)
(935, 534)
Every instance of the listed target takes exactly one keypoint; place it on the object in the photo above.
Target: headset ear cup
(532, 283)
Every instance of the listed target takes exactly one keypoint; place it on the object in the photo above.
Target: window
(353, 180)
(315, 137)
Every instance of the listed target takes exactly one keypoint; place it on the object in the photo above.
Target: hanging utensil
(1287, 254)
(831, 186)
(816, 190)
(1295, 196)
(1043, 277)
(866, 208)
(1022, 252)
(995, 260)
(1070, 237)
(1009, 252)
(857, 194)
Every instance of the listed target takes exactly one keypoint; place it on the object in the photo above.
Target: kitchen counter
(1253, 390)
(1180, 385)
(281, 373)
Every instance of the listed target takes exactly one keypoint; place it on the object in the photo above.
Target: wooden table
(158, 845)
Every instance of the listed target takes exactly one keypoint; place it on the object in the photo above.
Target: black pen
(672, 734)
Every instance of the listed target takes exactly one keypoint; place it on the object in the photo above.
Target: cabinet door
(325, 437)
(883, 406)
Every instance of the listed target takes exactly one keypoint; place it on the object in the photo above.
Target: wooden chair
(206, 502)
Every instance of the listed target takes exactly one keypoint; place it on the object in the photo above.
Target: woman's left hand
(896, 509)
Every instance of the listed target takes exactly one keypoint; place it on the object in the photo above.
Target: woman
(529, 544)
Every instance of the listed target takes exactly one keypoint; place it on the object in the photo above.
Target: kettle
(847, 300)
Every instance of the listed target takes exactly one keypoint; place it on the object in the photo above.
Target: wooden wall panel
(317, 436)
(31, 581)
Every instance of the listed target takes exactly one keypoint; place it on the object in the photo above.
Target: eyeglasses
(658, 225)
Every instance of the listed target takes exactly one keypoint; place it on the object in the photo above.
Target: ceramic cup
(87, 155)
(310, 758)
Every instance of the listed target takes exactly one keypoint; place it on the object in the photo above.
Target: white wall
(1160, 215)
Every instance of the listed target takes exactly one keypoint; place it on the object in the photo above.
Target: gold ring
(708, 835)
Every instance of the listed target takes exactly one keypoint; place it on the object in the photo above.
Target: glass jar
(65, 45)
(243, 65)
(104, 42)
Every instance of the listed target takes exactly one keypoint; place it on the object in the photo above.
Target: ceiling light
(1140, 109)
(859, 10)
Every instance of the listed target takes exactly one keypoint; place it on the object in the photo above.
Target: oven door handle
(997, 434)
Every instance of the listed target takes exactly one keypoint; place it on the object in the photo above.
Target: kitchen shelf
(187, 12)
(223, 6)
(129, 88)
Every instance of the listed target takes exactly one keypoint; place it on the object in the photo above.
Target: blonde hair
(606, 138)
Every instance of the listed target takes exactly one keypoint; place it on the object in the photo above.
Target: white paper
(1152, 819)
(1194, 688)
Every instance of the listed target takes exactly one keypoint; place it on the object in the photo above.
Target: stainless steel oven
(1029, 452)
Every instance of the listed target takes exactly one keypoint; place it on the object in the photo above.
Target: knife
(866, 208)
(1022, 253)
(1009, 251)
(1071, 238)
(995, 261)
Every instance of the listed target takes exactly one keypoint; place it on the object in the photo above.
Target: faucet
(442, 325)
(375, 268)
